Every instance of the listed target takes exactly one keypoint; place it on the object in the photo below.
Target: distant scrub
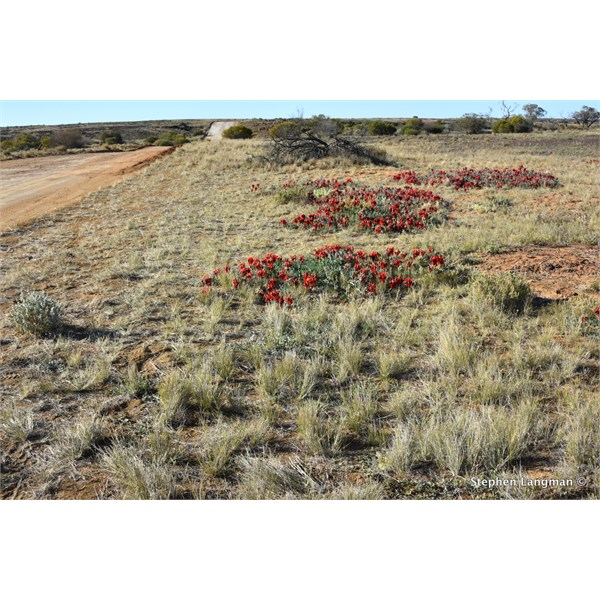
(285, 130)
(413, 126)
(382, 128)
(110, 136)
(68, 137)
(515, 124)
(238, 132)
(471, 123)
(168, 138)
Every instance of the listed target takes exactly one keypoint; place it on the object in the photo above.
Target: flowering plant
(339, 204)
(341, 269)
(467, 178)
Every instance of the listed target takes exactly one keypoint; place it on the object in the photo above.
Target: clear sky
(55, 112)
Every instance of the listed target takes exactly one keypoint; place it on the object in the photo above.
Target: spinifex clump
(340, 269)
(467, 178)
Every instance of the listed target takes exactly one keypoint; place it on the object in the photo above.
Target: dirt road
(31, 187)
(217, 128)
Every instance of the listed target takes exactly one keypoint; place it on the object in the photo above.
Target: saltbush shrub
(238, 132)
(382, 128)
(36, 313)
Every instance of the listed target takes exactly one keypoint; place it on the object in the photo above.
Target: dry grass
(211, 394)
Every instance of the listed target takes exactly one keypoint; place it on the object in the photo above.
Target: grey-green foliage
(36, 313)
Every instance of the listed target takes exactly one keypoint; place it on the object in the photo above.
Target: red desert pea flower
(341, 269)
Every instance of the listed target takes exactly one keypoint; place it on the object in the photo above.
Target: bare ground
(32, 187)
(552, 273)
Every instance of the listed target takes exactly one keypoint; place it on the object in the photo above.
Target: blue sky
(54, 112)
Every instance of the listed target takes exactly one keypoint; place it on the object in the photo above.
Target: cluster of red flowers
(255, 187)
(378, 209)
(341, 269)
(466, 179)
(595, 317)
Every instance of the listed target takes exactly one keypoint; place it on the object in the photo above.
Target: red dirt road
(32, 187)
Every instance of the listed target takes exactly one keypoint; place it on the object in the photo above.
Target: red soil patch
(554, 273)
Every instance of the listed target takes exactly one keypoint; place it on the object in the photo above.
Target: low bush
(285, 130)
(170, 138)
(506, 291)
(110, 136)
(471, 123)
(515, 124)
(238, 132)
(37, 314)
(68, 137)
(382, 128)
(413, 126)
(434, 127)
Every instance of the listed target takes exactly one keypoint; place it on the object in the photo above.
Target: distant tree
(586, 117)
(533, 112)
(508, 110)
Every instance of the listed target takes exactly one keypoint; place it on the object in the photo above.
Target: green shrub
(471, 123)
(46, 141)
(170, 138)
(110, 136)
(25, 141)
(151, 139)
(506, 291)
(35, 313)
(7, 146)
(238, 132)
(382, 128)
(285, 130)
(516, 124)
(413, 126)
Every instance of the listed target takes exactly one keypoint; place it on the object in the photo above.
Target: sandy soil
(553, 273)
(217, 128)
(32, 187)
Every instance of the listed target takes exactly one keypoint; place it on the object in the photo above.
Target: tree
(586, 117)
(318, 137)
(508, 110)
(533, 112)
